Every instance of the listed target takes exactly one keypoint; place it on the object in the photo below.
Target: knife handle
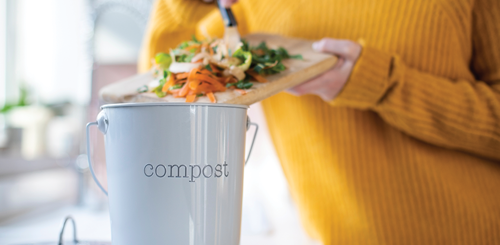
(227, 15)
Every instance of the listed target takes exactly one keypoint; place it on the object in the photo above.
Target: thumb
(343, 48)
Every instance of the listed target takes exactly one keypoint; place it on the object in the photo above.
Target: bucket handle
(88, 156)
(97, 124)
(253, 139)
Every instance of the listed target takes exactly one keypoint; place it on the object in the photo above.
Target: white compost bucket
(174, 172)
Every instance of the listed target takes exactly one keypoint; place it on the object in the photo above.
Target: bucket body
(175, 172)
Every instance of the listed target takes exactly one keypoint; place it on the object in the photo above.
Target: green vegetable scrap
(193, 37)
(177, 86)
(208, 67)
(266, 61)
(245, 57)
(184, 57)
(163, 60)
(242, 84)
(158, 90)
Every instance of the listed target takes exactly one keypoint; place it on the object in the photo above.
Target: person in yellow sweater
(397, 144)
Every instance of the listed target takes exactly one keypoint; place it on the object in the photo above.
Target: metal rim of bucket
(172, 104)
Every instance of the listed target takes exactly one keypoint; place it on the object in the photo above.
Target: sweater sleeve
(171, 22)
(456, 114)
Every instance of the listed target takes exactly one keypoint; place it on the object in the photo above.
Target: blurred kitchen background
(55, 55)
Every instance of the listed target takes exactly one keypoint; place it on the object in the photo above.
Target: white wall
(118, 38)
(3, 32)
(51, 52)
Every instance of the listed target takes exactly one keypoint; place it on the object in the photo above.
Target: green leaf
(193, 37)
(163, 60)
(162, 82)
(184, 58)
(158, 91)
(247, 85)
(245, 47)
(183, 45)
(258, 68)
(263, 56)
(176, 86)
(273, 70)
(245, 57)
(243, 85)
(208, 67)
(262, 46)
(160, 94)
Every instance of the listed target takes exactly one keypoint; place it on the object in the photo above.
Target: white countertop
(94, 225)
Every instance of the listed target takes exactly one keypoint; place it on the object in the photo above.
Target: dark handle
(75, 241)
(227, 15)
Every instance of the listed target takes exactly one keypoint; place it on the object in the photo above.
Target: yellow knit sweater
(409, 152)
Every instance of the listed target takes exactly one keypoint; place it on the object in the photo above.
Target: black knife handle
(227, 15)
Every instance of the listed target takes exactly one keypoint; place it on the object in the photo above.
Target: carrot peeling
(168, 84)
(241, 91)
(211, 96)
(194, 84)
(185, 89)
(190, 98)
(256, 76)
(215, 68)
(192, 74)
(182, 75)
(203, 88)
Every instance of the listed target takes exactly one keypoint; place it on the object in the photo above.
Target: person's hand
(328, 85)
(227, 3)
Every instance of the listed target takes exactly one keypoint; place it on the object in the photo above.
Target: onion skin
(237, 72)
(179, 67)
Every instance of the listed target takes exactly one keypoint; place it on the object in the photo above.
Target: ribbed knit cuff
(368, 81)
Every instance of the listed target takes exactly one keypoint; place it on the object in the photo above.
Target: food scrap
(201, 68)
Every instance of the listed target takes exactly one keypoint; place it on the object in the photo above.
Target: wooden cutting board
(297, 72)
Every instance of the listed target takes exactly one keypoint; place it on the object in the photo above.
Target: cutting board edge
(106, 92)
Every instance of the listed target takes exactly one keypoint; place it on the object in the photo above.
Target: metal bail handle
(89, 158)
(75, 241)
(249, 123)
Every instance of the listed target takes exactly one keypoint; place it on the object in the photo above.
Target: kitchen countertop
(94, 225)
